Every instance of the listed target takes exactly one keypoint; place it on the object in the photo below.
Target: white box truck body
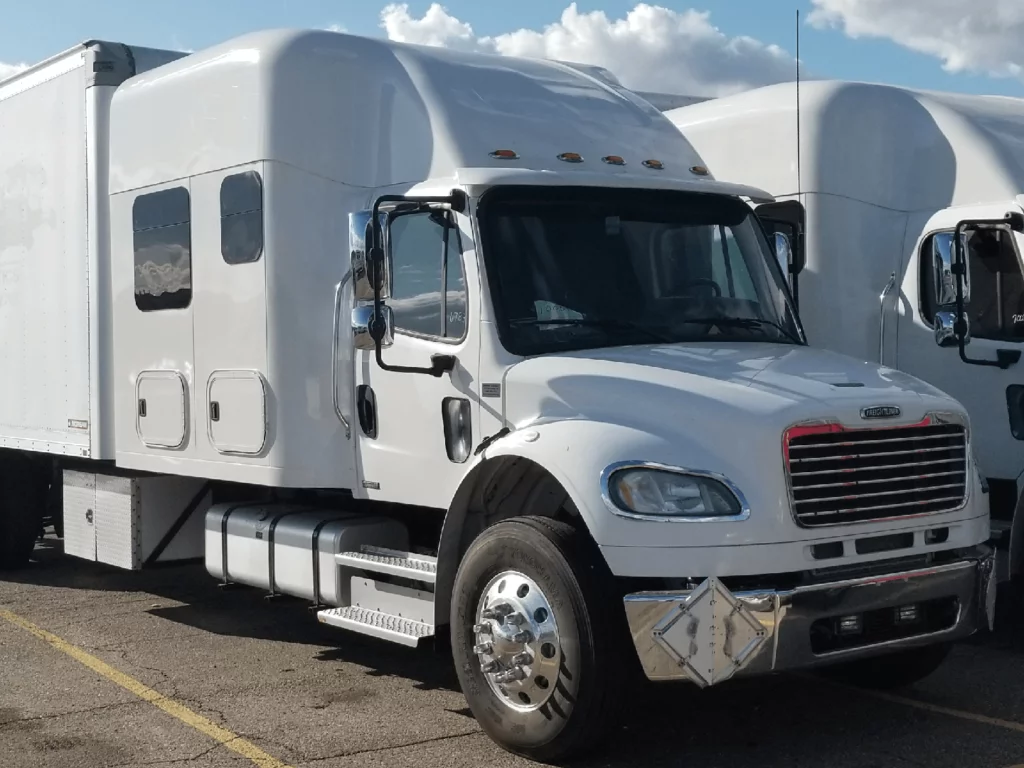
(446, 342)
(887, 175)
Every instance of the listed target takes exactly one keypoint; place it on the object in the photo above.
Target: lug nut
(482, 629)
(489, 614)
(489, 667)
(503, 609)
(482, 648)
(516, 619)
(514, 675)
(522, 659)
(522, 637)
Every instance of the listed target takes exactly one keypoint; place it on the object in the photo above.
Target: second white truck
(887, 176)
(463, 346)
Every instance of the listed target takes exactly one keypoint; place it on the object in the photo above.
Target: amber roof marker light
(505, 154)
(656, 165)
(570, 157)
(613, 160)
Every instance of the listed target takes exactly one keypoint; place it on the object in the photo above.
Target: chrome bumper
(710, 634)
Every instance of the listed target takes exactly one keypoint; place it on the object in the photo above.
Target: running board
(391, 562)
(385, 626)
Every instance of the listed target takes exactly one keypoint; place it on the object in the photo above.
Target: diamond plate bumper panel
(709, 634)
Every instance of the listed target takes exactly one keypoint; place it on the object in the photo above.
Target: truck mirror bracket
(377, 258)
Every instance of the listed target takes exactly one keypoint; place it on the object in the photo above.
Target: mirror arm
(439, 364)
(1004, 357)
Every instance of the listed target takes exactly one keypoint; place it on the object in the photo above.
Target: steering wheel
(715, 287)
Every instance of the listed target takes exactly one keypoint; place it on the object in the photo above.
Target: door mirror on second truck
(943, 287)
(783, 252)
(364, 283)
(943, 279)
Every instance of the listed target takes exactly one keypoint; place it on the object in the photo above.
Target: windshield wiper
(745, 322)
(605, 324)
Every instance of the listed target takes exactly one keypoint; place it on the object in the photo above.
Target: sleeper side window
(996, 309)
(162, 230)
(428, 295)
(241, 217)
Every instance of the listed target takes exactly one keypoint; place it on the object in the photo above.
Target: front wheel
(536, 638)
(894, 670)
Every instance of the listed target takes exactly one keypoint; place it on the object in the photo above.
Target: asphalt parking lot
(107, 668)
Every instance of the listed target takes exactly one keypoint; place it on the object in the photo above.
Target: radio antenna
(799, 174)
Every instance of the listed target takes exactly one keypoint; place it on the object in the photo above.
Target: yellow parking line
(937, 709)
(230, 740)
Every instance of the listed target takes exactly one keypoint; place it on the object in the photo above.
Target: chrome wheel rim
(517, 641)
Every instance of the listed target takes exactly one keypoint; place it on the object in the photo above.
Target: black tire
(21, 511)
(894, 670)
(595, 668)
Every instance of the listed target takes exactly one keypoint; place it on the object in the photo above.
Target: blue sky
(33, 31)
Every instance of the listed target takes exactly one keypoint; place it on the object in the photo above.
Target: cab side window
(428, 296)
(996, 309)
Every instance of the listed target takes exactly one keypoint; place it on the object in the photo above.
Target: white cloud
(8, 70)
(980, 36)
(650, 49)
(336, 28)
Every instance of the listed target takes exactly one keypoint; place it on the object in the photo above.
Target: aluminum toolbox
(272, 546)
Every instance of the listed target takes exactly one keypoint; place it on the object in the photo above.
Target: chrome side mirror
(362, 321)
(783, 252)
(362, 274)
(943, 279)
(945, 329)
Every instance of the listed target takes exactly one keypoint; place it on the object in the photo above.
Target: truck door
(413, 428)
(993, 395)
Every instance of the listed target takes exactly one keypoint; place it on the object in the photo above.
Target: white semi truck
(463, 346)
(887, 178)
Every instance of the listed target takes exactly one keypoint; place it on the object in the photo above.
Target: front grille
(850, 476)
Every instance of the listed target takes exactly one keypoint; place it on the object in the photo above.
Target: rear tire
(21, 510)
(561, 595)
(895, 670)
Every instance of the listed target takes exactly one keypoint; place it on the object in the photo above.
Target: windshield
(573, 268)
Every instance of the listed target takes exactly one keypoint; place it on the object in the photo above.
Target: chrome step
(392, 562)
(385, 626)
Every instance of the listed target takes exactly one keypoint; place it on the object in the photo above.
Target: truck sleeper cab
(436, 360)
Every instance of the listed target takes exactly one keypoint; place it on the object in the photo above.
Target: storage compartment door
(161, 410)
(238, 412)
(80, 514)
(117, 522)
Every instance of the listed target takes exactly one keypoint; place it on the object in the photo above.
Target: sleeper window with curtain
(162, 235)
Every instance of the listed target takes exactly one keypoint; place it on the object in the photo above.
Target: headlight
(665, 493)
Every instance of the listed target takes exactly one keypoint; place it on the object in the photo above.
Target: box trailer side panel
(44, 260)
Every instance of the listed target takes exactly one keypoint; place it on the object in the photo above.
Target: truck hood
(729, 386)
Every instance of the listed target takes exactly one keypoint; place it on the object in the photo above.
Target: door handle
(214, 410)
(366, 409)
